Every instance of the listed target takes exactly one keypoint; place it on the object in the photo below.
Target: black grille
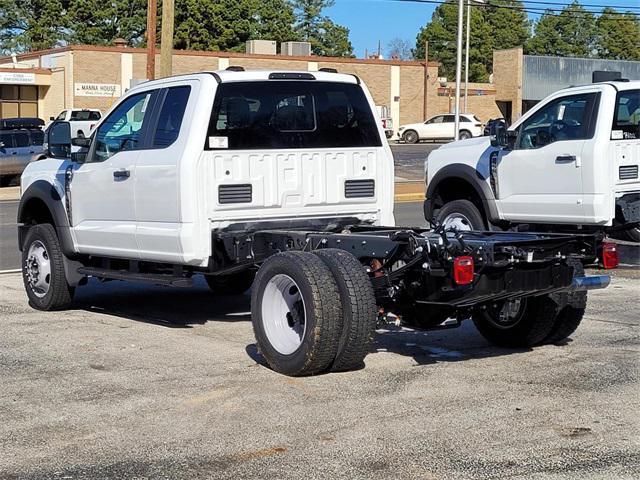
(628, 172)
(359, 188)
(234, 193)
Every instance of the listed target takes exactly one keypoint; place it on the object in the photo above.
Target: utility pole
(166, 41)
(426, 78)
(152, 18)
(466, 62)
(458, 68)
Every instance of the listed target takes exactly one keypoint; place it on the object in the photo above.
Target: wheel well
(455, 188)
(36, 211)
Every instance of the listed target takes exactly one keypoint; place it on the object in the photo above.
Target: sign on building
(97, 90)
(17, 77)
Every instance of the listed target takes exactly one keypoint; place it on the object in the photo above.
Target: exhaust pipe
(591, 282)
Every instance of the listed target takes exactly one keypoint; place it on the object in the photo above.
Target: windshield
(627, 116)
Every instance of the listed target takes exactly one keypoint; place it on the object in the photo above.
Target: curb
(408, 197)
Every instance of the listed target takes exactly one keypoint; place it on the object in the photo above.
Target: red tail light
(384, 123)
(463, 270)
(610, 257)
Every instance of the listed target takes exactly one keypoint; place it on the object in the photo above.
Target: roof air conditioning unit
(261, 47)
(296, 49)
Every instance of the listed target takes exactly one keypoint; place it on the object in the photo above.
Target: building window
(18, 101)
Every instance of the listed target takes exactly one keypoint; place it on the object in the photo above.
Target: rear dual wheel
(313, 312)
(535, 320)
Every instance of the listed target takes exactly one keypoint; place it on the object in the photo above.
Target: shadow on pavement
(166, 306)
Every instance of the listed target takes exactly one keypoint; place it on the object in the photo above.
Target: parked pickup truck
(280, 181)
(82, 120)
(569, 163)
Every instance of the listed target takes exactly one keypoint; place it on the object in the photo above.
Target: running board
(155, 278)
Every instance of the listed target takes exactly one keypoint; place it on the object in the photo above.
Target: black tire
(322, 312)
(358, 307)
(531, 325)
(59, 294)
(571, 305)
(464, 134)
(632, 235)
(410, 136)
(464, 208)
(232, 284)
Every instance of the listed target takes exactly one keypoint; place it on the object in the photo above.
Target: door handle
(118, 174)
(565, 158)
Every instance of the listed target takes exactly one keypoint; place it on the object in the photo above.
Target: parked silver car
(20, 143)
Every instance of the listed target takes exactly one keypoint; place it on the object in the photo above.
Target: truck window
(122, 130)
(170, 118)
(565, 118)
(21, 138)
(291, 114)
(37, 137)
(6, 139)
(626, 120)
(80, 116)
(95, 116)
(62, 115)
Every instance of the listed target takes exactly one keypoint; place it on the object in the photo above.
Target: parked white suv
(82, 120)
(570, 162)
(441, 127)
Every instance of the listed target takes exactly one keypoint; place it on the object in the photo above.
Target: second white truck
(569, 164)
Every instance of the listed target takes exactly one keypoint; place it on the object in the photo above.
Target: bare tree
(399, 49)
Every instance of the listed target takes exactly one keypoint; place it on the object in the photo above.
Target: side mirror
(57, 142)
(499, 135)
(52, 118)
(81, 142)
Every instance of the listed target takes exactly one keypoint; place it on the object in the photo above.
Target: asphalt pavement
(158, 383)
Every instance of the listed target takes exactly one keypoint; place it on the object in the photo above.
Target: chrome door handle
(120, 174)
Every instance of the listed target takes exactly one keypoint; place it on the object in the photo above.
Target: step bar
(154, 278)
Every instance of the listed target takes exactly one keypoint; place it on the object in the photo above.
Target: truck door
(540, 179)
(102, 188)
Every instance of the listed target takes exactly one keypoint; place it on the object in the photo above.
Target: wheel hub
(37, 269)
(283, 314)
(507, 314)
(458, 221)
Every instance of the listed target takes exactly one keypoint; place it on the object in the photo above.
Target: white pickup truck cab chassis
(278, 181)
(569, 163)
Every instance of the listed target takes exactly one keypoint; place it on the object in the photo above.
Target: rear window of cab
(291, 114)
(626, 119)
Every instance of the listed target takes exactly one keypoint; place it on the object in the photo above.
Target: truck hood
(475, 142)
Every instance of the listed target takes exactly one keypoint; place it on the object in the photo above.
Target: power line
(532, 10)
(590, 5)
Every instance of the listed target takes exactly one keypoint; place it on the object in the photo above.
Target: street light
(466, 62)
(456, 125)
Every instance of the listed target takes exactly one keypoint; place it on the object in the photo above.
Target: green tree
(618, 35)
(27, 25)
(509, 24)
(571, 33)
(228, 24)
(99, 22)
(326, 37)
(441, 34)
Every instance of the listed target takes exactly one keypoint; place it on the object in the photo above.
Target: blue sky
(373, 20)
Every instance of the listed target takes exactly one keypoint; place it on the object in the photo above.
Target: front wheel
(410, 136)
(43, 270)
(461, 215)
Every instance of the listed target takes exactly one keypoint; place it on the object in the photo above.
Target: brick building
(80, 76)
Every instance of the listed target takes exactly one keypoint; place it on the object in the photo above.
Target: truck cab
(570, 162)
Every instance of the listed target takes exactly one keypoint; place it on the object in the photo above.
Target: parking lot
(150, 382)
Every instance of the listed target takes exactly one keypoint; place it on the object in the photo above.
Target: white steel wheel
(283, 314)
(458, 221)
(38, 269)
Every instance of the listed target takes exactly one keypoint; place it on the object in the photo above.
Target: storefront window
(18, 101)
